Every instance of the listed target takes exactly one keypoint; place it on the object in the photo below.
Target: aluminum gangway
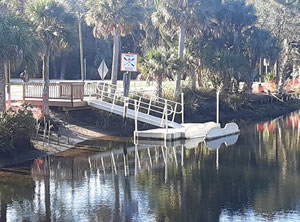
(156, 111)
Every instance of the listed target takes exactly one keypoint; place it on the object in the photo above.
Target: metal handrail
(170, 102)
(133, 97)
(151, 106)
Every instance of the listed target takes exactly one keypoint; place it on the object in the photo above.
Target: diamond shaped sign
(102, 70)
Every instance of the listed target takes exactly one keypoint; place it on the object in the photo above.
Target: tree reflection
(3, 212)
(14, 187)
(260, 172)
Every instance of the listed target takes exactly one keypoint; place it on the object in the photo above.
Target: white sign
(266, 62)
(102, 70)
(129, 62)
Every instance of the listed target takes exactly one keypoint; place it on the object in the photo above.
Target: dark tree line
(209, 42)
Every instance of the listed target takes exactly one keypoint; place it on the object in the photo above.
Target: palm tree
(16, 41)
(54, 26)
(181, 15)
(113, 18)
(77, 6)
(231, 46)
(160, 63)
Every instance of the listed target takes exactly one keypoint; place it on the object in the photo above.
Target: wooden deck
(58, 103)
(62, 94)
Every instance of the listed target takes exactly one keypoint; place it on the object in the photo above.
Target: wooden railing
(57, 91)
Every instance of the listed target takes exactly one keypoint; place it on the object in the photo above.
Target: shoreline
(71, 136)
(75, 130)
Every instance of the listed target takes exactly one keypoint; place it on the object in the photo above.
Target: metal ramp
(159, 112)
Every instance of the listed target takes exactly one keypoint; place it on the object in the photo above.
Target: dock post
(175, 156)
(166, 165)
(135, 121)
(72, 95)
(218, 104)
(114, 163)
(166, 120)
(149, 154)
(156, 154)
(182, 155)
(217, 116)
(163, 153)
(103, 167)
(137, 163)
(217, 159)
(24, 91)
(125, 165)
(182, 107)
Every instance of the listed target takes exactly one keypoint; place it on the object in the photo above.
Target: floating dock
(212, 144)
(208, 131)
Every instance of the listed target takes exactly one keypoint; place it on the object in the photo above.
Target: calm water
(251, 177)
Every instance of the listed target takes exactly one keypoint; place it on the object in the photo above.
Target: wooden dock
(61, 94)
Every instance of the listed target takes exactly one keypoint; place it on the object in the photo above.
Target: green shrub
(270, 76)
(16, 129)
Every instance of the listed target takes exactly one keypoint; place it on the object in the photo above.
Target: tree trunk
(2, 88)
(158, 90)
(54, 68)
(180, 55)
(116, 213)
(63, 67)
(115, 62)
(193, 79)
(3, 211)
(7, 76)
(276, 71)
(260, 69)
(283, 66)
(81, 49)
(249, 82)
(47, 190)
(227, 88)
(199, 74)
(46, 57)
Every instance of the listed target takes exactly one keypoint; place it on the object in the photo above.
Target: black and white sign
(129, 62)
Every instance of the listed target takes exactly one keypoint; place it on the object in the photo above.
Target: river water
(254, 176)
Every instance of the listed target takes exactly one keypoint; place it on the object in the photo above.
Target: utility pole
(80, 48)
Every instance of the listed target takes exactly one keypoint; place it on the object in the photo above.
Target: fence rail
(58, 91)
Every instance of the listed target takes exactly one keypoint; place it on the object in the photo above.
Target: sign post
(129, 63)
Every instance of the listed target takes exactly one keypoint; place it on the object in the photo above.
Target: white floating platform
(192, 143)
(209, 130)
(218, 132)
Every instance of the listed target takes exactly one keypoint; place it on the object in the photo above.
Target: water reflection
(15, 187)
(254, 176)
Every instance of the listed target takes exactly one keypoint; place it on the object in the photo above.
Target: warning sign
(129, 62)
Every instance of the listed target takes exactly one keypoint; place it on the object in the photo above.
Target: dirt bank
(201, 107)
(69, 131)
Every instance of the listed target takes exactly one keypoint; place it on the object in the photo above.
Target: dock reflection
(120, 181)
(70, 180)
